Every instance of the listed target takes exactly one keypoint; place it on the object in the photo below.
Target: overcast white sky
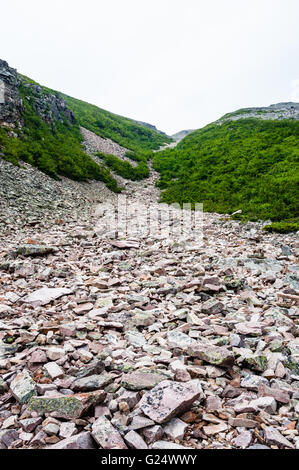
(177, 64)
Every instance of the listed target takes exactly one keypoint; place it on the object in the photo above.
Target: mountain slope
(124, 131)
(180, 135)
(247, 163)
(42, 127)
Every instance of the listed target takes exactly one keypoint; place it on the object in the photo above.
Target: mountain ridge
(247, 162)
(42, 127)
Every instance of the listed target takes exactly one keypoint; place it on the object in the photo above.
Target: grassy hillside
(124, 168)
(54, 149)
(247, 164)
(124, 131)
(55, 145)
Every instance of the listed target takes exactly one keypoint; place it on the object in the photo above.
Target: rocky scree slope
(27, 195)
(149, 342)
(143, 342)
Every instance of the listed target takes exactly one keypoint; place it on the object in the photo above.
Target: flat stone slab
(45, 296)
(136, 339)
(165, 445)
(177, 339)
(67, 407)
(35, 250)
(273, 437)
(143, 379)
(80, 441)
(168, 399)
(93, 382)
(125, 244)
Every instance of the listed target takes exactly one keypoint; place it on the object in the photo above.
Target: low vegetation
(122, 130)
(56, 150)
(124, 168)
(249, 164)
(285, 226)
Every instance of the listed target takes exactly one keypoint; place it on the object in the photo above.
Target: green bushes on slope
(122, 130)
(55, 150)
(247, 164)
(124, 168)
(285, 226)
(140, 156)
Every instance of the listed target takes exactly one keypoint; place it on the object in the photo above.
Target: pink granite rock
(106, 435)
(168, 399)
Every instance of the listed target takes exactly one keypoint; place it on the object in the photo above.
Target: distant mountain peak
(181, 134)
(150, 126)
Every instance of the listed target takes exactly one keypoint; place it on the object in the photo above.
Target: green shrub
(124, 168)
(56, 150)
(285, 226)
(247, 164)
(122, 130)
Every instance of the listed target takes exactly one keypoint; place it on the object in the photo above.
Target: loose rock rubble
(150, 342)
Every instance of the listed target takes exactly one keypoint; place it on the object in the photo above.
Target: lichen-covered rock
(67, 407)
(23, 387)
(253, 382)
(34, 250)
(7, 350)
(135, 338)
(256, 362)
(219, 356)
(177, 339)
(143, 319)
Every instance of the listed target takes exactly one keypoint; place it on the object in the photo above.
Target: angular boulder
(143, 380)
(216, 355)
(67, 407)
(45, 295)
(168, 399)
(106, 435)
(80, 441)
(23, 387)
(93, 382)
